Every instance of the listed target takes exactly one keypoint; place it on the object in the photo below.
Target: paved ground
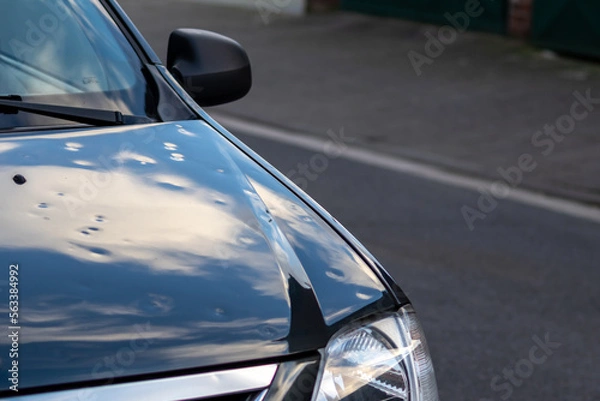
(475, 108)
(486, 297)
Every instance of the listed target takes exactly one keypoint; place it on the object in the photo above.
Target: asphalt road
(486, 297)
(511, 309)
(476, 108)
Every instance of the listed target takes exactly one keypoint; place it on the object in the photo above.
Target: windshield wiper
(13, 104)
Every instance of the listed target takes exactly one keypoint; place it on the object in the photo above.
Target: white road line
(404, 166)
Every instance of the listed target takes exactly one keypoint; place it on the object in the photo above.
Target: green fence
(493, 18)
(567, 25)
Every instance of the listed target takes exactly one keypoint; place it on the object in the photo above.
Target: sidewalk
(478, 107)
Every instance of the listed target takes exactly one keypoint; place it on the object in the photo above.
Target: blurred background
(459, 141)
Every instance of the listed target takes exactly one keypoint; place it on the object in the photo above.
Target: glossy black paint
(146, 52)
(152, 249)
(155, 248)
(295, 381)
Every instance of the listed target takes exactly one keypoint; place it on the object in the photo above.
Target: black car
(150, 255)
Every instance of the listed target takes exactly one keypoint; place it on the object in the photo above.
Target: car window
(67, 52)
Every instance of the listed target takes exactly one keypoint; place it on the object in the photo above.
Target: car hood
(160, 248)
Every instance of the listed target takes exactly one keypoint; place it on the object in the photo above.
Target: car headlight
(384, 360)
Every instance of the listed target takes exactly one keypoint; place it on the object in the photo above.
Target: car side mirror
(212, 68)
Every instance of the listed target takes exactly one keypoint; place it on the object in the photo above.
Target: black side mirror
(212, 68)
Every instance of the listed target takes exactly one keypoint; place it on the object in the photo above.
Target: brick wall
(519, 17)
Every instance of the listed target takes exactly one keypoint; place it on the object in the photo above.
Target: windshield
(68, 52)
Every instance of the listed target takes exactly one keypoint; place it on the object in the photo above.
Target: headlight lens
(385, 360)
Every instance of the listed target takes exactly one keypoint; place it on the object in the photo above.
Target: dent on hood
(170, 228)
(326, 257)
(118, 229)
